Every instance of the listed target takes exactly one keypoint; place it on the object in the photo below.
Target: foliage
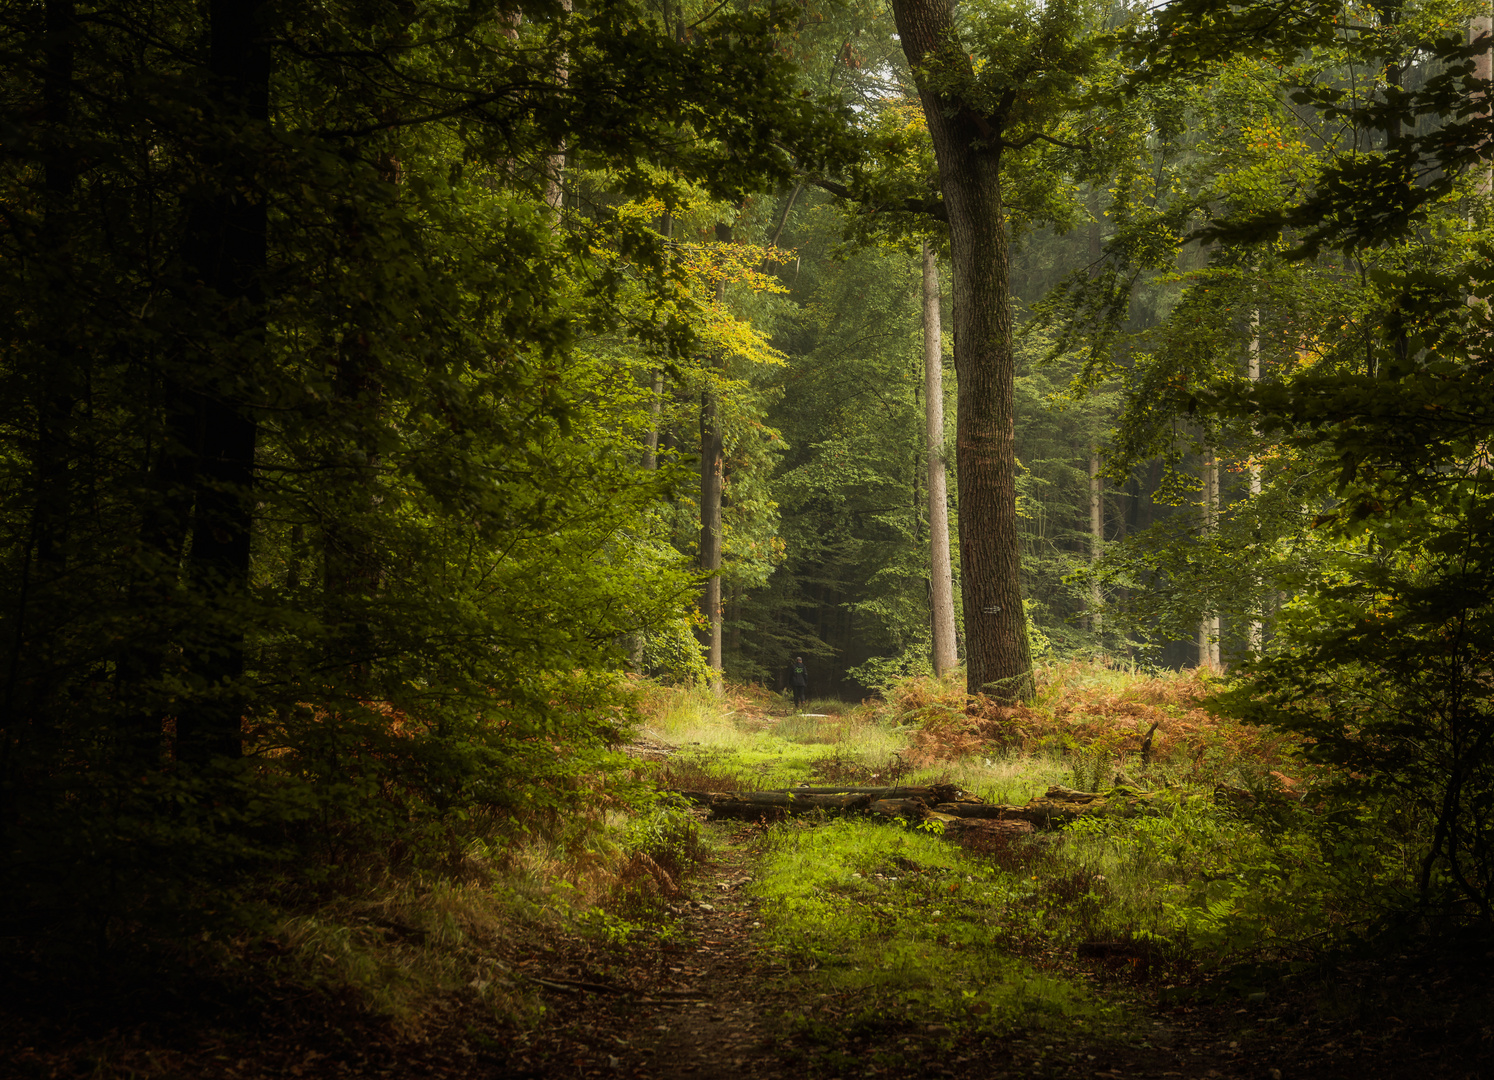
(322, 518)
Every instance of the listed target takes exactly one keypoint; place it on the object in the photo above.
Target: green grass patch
(755, 750)
(909, 925)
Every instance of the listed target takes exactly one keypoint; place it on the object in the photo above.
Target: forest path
(714, 1002)
(697, 1002)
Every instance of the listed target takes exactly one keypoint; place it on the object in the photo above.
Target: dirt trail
(713, 1003)
(695, 1005)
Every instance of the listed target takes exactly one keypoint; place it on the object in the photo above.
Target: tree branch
(1022, 144)
(934, 208)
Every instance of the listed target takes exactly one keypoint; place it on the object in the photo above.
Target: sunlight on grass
(754, 745)
(904, 920)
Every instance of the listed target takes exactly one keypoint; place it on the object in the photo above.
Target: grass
(906, 922)
(903, 921)
(747, 741)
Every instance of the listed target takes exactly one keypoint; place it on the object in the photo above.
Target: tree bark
(712, 463)
(555, 161)
(655, 407)
(941, 576)
(1096, 538)
(1208, 627)
(57, 381)
(1255, 633)
(968, 148)
(712, 481)
(225, 247)
(1479, 28)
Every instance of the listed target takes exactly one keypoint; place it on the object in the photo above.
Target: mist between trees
(384, 385)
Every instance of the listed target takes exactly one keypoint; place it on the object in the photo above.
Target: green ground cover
(1229, 866)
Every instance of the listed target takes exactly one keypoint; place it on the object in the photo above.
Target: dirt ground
(712, 1003)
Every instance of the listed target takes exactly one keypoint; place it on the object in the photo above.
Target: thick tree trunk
(57, 380)
(941, 575)
(226, 248)
(968, 148)
(1208, 627)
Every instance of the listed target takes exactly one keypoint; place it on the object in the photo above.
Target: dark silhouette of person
(799, 680)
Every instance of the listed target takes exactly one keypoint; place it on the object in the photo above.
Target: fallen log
(1057, 807)
(754, 804)
(934, 792)
(985, 827)
(779, 796)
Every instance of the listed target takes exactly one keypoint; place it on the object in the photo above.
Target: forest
(790, 538)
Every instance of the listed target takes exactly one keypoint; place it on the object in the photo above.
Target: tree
(975, 119)
(352, 483)
(1380, 659)
(941, 581)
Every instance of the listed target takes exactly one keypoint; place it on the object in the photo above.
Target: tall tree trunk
(656, 402)
(1255, 632)
(225, 247)
(1096, 537)
(57, 380)
(941, 577)
(712, 461)
(968, 147)
(555, 162)
(1208, 627)
(655, 408)
(712, 481)
(1480, 27)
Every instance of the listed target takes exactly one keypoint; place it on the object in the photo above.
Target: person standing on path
(799, 680)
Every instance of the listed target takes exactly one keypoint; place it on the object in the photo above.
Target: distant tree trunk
(1096, 490)
(941, 579)
(1096, 537)
(968, 147)
(1480, 27)
(1208, 627)
(555, 162)
(655, 407)
(351, 567)
(225, 247)
(1255, 632)
(712, 482)
(711, 467)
